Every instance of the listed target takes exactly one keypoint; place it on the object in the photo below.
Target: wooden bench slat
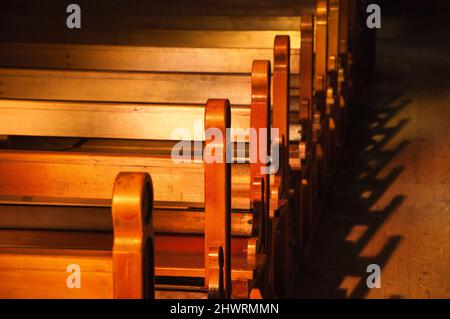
(95, 246)
(39, 239)
(96, 283)
(180, 292)
(108, 120)
(190, 264)
(195, 243)
(85, 175)
(85, 241)
(134, 58)
(122, 86)
(41, 216)
(43, 273)
(43, 268)
(194, 38)
(166, 22)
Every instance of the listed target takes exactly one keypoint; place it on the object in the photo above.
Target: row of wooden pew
(87, 174)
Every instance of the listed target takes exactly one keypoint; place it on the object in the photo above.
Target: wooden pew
(208, 52)
(209, 31)
(195, 61)
(45, 185)
(37, 263)
(131, 29)
(328, 113)
(53, 112)
(127, 30)
(306, 182)
(165, 59)
(330, 22)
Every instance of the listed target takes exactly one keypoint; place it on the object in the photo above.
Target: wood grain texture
(260, 119)
(122, 87)
(133, 252)
(36, 264)
(281, 109)
(216, 57)
(217, 198)
(110, 120)
(90, 175)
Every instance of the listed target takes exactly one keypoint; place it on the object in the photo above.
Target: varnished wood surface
(11, 89)
(123, 86)
(212, 22)
(45, 275)
(47, 268)
(216, 55)
(281, 107)
(110, 120)
(76, 175)
(35, 264)
(96, 240)
(133, 243)
(250, 39)
(190, 264)
(177, 292)
(169, 260)
(217, 181)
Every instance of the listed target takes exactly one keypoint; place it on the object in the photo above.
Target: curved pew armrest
(132, 204)
(217, 195)
(216, 284)
(281, 109)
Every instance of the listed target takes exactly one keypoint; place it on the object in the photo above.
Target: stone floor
(390, 202)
